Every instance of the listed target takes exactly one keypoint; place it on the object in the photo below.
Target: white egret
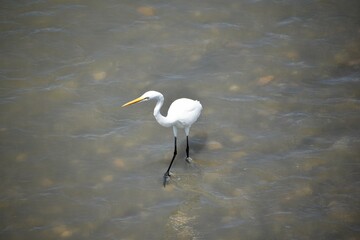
(182, 113)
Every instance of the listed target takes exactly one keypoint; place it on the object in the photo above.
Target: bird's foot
(167, 177)
(189, 160)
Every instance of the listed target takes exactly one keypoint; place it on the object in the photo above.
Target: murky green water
(276, 150)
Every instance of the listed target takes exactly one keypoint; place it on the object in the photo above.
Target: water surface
(276, 150)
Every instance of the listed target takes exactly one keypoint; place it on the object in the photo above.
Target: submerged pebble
(108, 178)
(63, 231)
(119, 163)
(214, 145)
(101, 75)
(265, 80)
(21, 157)
(234, 88)
(146, 11)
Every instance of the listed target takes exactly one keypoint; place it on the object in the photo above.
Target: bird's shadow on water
(197, 143)
(191, 170)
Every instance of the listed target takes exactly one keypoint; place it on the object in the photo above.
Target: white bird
(182, 113)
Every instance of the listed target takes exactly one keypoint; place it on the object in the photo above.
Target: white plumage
(184, 112)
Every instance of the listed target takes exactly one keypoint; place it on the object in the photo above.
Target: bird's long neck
(163, 121)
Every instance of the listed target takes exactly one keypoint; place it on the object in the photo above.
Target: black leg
(167, 173)
(187, 147)
(188, 158)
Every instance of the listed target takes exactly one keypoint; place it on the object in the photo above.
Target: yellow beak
(133, 101)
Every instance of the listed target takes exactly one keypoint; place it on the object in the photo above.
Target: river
(275, 151)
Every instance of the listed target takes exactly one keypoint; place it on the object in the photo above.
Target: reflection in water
(275, 150)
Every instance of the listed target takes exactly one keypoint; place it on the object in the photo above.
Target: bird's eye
(147, 98)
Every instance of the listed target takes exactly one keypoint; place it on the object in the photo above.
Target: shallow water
(275, 151)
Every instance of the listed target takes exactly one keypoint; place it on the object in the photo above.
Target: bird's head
(145, 97)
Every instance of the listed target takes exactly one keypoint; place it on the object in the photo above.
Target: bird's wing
(183, 105)
(184, 111)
